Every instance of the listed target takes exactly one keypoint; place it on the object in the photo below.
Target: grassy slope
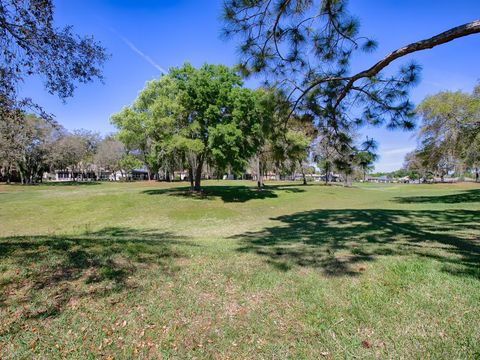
(145, 270)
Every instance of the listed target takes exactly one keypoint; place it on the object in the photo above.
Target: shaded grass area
(336, 240)
(43, 274)
(228, 193)
(469, 196)
(64, 183)
(292, 272)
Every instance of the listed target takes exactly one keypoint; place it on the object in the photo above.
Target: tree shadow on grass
(68, 183)
(43, 274)
(238, 193)
(468, 196)
(340, 241)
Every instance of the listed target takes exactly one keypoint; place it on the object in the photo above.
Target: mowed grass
(149, 271)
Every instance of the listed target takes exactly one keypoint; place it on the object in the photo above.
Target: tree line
(197, 119)
(33, 146)
(309, 110)
(203, 121)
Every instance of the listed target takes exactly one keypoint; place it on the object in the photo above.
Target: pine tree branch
(442, 38)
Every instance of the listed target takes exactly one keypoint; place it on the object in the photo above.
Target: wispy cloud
(397, 151)
(139, 52)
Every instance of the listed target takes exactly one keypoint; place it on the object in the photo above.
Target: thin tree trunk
(190, 176)
(327, 172)
(8, 175)
(303, 174)
(259, 174)
(198, 175)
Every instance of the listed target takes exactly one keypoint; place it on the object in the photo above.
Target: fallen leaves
(366, 344)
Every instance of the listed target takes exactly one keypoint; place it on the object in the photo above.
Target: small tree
(128, 163)
(108, 155)
(365, 160)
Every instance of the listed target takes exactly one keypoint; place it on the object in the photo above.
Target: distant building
(379, 179)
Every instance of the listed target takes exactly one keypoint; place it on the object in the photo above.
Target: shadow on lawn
(227, 193)
(338, 241)
(48, 271)
(69, 183)
(468, 196)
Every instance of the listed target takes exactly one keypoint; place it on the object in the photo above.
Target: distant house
(135, 174)
(379, 179)
(446, 179)
(65, 175)
(180, 175)
(96, 174)
(331, 177)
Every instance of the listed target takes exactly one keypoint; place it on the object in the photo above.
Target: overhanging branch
(442, 38)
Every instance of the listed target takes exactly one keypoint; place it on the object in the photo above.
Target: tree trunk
(476, 174)
(198, 175)
(259, 175)
(303, 173)
(190, 176)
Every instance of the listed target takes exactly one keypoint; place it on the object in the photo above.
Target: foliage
(33, 45)
(26, 146)
(365, 160)
(305, 48)
(129, 163)
(449, 133)
(195, 117)
(74, 152)
(109, 153)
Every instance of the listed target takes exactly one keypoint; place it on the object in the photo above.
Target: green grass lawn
(147, 270)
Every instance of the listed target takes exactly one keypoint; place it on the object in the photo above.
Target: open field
(146, 270)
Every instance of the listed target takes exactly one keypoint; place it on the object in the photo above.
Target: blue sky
(144, 37)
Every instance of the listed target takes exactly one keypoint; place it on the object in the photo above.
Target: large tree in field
(220, 122)
(305, 48)
(192, 118)
(207, 96)
(32, 45)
